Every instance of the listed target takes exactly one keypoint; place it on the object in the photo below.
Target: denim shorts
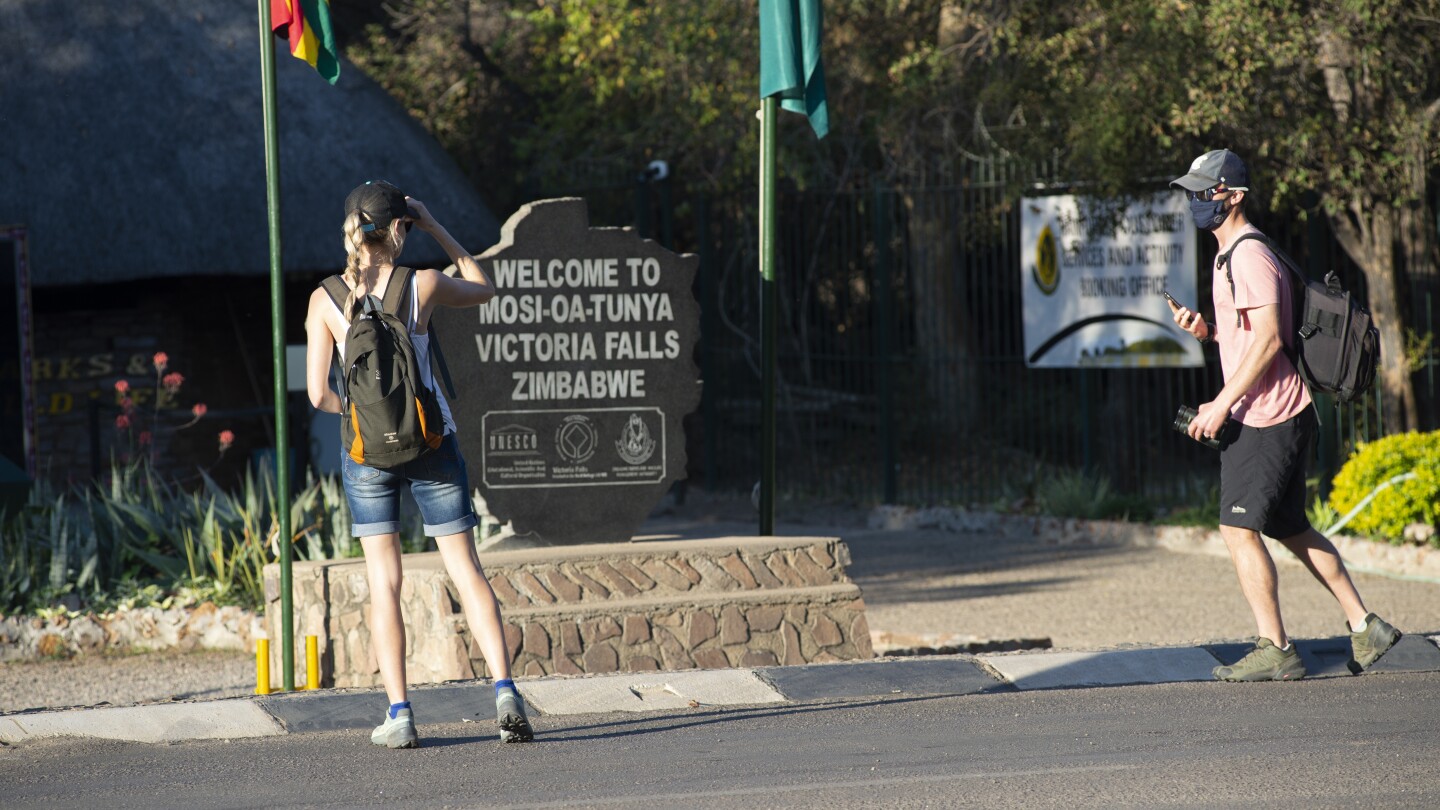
(436, 479)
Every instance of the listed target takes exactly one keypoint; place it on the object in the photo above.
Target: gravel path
(915, 582)
(122, 680)
(1091, 597)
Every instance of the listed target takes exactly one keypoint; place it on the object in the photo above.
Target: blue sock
(504, 683)
(396, 707)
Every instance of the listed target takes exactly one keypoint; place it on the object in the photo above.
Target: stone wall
(599, 608)
(202, 627)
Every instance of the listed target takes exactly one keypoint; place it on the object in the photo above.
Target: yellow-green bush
(1374, 463)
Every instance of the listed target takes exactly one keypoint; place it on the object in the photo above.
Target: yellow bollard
(312, 662)
(262, 666)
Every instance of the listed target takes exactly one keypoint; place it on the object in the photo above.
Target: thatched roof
(131, 144)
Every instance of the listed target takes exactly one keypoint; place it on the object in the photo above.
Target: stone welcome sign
(574, 379)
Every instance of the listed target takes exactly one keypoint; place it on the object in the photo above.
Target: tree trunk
(1372, 231)
(939, 308)
(1418, 248)
(1369, 231)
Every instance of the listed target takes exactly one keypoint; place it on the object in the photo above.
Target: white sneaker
(397, 731)
(510, 714)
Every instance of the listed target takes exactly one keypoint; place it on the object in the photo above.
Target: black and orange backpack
(388, 415)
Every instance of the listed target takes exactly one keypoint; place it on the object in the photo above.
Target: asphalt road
(1338, 742)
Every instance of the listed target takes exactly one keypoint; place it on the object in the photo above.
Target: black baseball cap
(1213, 168)
(379, 203)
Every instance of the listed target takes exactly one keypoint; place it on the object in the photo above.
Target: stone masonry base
(671, 605)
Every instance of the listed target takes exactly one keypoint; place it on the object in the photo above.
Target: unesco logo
(575, 439)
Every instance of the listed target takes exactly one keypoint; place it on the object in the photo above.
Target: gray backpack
(1338, 347)
(388, 415)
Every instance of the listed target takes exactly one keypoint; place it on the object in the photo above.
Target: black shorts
(1262, 477)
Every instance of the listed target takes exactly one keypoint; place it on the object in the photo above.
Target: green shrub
(1204, 514)
(1372, 464)
(1322, 515)
(1071, 493)
(138, 537)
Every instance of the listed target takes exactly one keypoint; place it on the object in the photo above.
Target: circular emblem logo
(575, 439)
(635, 443)
(1047, 262)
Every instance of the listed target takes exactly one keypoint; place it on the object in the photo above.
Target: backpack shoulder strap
(335, 286)
(397, 302)
(437, 363)
(1224, 258)
(1297, 288)
(1274, 248)
(397, 294)
(1224, 261)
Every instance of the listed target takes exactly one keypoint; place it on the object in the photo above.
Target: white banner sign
(1092, 294)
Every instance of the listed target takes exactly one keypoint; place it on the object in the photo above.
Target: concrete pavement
(1098, 596)
(472, 701)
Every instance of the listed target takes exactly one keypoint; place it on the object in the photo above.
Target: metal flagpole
(277, 331)
(769, 111)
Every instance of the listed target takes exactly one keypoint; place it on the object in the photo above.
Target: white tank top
(421, 344)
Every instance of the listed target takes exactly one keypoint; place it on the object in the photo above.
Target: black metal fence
(900, 358)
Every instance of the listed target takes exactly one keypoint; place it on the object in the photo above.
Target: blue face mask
(1208, 215)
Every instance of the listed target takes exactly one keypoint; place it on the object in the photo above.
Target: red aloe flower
(172, 381)
(144, 437)
(161, 359)
(199, 409)
(122, 422)
(227, 438)
(122, 386)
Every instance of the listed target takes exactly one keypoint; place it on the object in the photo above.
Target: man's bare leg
(1320, 556)
(1256, 571)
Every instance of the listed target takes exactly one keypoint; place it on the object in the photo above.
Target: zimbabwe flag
(306, 24)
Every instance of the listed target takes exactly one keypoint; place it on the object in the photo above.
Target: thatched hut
(131, 150)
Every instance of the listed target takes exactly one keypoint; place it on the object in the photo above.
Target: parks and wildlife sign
(1092, 278)
(574, 379)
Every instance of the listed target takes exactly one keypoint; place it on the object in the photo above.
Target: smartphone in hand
(1173, 303)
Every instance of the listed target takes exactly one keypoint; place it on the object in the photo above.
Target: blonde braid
(358, 244)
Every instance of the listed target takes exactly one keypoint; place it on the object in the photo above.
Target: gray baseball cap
(1213, 168)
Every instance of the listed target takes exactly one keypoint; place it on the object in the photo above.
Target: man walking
(1262, 470)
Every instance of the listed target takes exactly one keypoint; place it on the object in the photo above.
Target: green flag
(790, 63)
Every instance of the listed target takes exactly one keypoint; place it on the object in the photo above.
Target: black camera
(1227, 433)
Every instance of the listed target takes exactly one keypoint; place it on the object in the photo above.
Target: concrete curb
(929, 676)
(161, 723)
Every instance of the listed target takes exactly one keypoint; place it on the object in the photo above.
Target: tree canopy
(1338, 98)
(1335, 98)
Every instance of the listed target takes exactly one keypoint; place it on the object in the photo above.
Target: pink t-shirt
(1260, 280)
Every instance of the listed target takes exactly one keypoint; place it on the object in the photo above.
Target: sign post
(277, 334)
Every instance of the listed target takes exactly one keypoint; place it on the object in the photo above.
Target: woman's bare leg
(387, 627)
(482, 612)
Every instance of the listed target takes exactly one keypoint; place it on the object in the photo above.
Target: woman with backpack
(383, 312)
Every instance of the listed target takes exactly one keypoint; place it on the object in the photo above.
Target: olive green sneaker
(1264, 663)
(1369, 644)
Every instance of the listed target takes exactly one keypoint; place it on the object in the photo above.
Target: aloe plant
(135, 531)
